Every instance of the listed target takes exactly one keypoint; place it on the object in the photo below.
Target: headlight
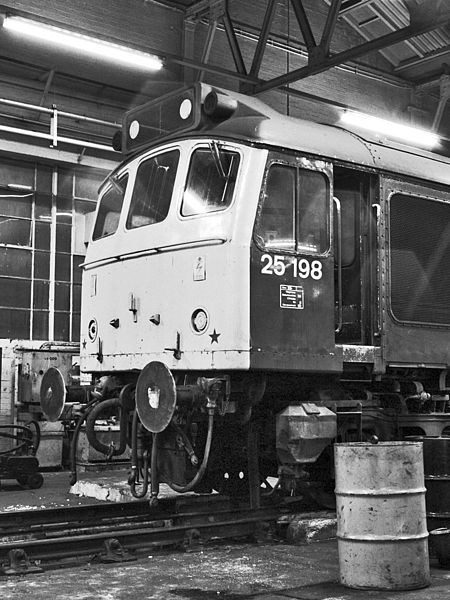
(199, 320)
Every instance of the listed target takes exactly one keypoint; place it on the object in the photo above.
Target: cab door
(355, 248)
(292, 269)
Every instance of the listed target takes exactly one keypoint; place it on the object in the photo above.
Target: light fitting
(390, 129)
(83, 44)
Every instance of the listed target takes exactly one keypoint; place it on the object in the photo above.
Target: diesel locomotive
(257, 287)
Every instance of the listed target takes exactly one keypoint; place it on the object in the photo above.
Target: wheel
(22, 479)
(35, 481)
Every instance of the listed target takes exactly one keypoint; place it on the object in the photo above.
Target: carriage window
(294, 212)
(153, 189)
(211, 180)
(110, 208)
(420, 255)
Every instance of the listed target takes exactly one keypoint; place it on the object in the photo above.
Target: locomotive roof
(251, 120)
(330, 141)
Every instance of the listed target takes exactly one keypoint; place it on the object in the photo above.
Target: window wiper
(118, 185)
(215, 152)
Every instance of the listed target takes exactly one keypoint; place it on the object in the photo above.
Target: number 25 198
(302, 267)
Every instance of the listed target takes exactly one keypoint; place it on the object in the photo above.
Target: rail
(33, 540)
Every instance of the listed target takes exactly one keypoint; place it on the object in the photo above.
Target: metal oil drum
(381, 521)
(436, 461)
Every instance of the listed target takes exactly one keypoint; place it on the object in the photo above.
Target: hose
(22, 443)
(134, 463)
(201, 471)
(154, 480)
(74, 443)
(90, 427)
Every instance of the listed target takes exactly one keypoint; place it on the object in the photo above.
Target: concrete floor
(267, 571)
(231, 572)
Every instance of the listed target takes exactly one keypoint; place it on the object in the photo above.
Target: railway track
(31, 541)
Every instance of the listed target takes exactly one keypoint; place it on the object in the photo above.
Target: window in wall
(87, 183)
(294, 214)
(110, 208)
(15, 217)
(37, 227)
(15, 295)
(211, 181)
(153, 190)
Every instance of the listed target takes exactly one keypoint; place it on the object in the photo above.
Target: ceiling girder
(319, 58)
(217, 12)
(443, 100)
(318, 66)
(330, 25)
(263, 36)
(48, 84)
(233, 42)
(212, 27)
(305, 27)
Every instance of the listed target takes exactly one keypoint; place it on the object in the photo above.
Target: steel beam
(305, 27)
(444, 98)
(212, 27)
(233, 43)
(330, 25)
(263, 36)
(352, 53)
(47, 86)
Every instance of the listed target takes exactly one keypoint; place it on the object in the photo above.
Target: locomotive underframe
(217, 417)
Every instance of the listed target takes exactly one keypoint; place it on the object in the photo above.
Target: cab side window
(153, 189)
(277, 217)
(294, 211)
(110, 208)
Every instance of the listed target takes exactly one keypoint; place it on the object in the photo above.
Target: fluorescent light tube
(82, 43)
(390, 129)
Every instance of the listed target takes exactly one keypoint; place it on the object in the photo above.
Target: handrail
(337, 204)
(60, 112)
(158, 250)
(56, 114)
(377, 325)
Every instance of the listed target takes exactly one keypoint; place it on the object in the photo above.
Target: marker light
(390, 129)
(82, 43)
